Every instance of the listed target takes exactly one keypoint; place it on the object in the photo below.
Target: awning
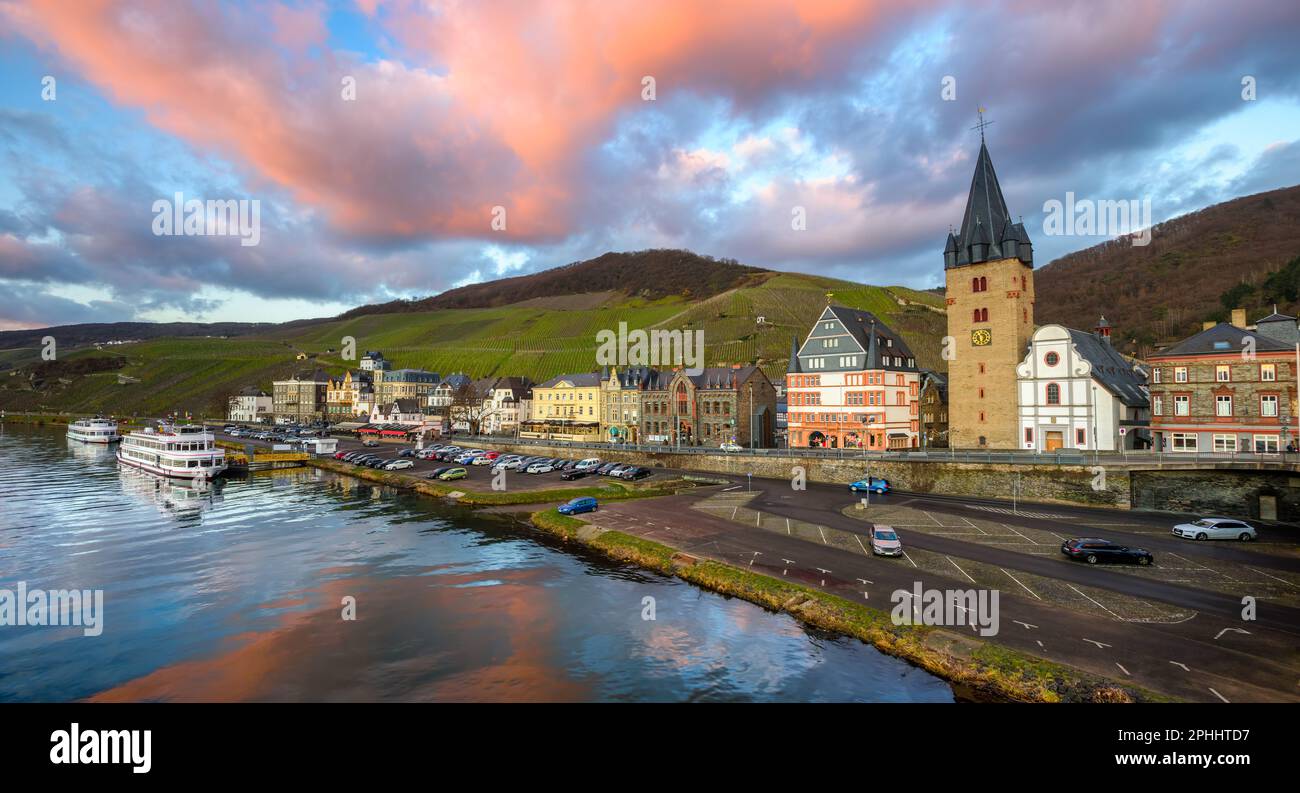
(898, 434)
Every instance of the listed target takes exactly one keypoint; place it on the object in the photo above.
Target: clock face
(981, 337)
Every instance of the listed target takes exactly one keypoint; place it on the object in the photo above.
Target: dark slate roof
(1276, 317)
(253, 391)
(1115, 372)
(793, 366)
(1222, 339)
(455, 381)
(722, 376)
(517, 386)
(634, 376)
(869, 331)
(583, 380)
(407, 405)
(987, 222)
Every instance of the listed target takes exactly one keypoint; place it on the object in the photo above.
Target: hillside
(538, 337)
(652, 275)
(1197, 267)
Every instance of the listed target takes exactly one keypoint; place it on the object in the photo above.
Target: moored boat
(183, 452)
(96, 430)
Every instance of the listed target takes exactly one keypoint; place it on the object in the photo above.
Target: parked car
(577, 505)
(618, 469)
(483, 459)
(452, 474)
(378, 462)
(398, 465)
(606, 468)
(589, 464)
(439, 470)
(634, 472)
(573, 474)
(543, 467)
(1093, 550)
(339, 455)
(885, 542)
(729, 446)
(370, 442)
(871, 484)
(1216, 529)
(406, 453)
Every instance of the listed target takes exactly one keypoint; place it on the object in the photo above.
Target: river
(238, 592)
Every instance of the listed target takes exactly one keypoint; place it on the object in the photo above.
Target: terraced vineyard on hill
(535, 339)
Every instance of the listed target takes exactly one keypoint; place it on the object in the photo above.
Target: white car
(730, 447)
(589, 464)
(397, 465)
(1215, 529)
(540, 468)
(885, 542)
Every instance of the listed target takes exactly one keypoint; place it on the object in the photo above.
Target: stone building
(620, 402)
(395, 384)
(721, 404)
(934, 410)
(301, 397)
(1226, 389)
(853, 383)
(989, 284)
(345, 397)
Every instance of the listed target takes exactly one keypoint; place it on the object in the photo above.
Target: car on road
(730, 446)
(884, 541)
(573, 474)
(577, 505)
(398, 465)
(1215, 529)
(452, 474)
(543, 467)
(1093, 550)
(870, 484)
(371, 442)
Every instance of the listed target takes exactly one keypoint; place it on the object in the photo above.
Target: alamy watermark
(640, 347)
(1106, 218)
(977, 608)
(54, 608)
(212, 218)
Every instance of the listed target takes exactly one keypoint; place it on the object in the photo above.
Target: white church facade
(1076, 392)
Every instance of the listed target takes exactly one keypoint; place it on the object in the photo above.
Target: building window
(1155, 375)
(981, 368)
(1080, 437)
(1225, 443)
(1053, 394)
(1268, 405)
(1182, 405)
(1268, 372)
(1180, 374)
(1157, 405)
(1029, 434)
(1223, 405)
(1223, 373)
(1052, 359)
(1265, 444)
(1184, 442)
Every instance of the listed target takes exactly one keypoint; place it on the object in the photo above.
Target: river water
(237, 592)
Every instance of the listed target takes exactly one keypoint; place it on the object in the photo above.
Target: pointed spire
(986, 227)
(793, 366)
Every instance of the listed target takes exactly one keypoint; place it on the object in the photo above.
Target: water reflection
(182, 498)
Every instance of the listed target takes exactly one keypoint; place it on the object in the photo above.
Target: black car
(406, 453)
(606, 468)
(434, 473)
(1093, 550)
(635, 472)
(570, 475)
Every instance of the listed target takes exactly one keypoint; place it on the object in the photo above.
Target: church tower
(989, 284)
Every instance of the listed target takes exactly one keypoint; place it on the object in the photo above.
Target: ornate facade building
(721, 404)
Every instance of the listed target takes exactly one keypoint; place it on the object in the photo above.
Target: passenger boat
(183, 452)
(96, 430)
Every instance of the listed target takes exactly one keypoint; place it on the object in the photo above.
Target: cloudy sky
(378, 137)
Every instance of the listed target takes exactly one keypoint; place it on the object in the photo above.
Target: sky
(399, 148)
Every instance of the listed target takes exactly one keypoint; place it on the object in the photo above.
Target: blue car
(584, 504)
(870, 485)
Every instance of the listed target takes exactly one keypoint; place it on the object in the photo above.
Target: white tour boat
(185, 452)
(96, 430)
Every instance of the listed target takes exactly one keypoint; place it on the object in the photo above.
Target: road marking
(1275, 578)
(908, 558)
(733, 512)
(1220, 696)
(1100, 645)
(1103, 608)
(1181, 666)
(1026, 624)
(758, 519)
(963, 572)
(728, 489)
(1040, 643)
(788, 561)
(787, 525)
(865, 596)
(860, 545)
(1122, 669)
(933, 518)
(1005, 526)
(865, 581)
(1017, 580)
(1225, 630)
(819, 529)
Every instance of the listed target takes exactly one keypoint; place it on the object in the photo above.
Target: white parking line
(1005, 526)
(787, 526)
(963, 572)
(1275, 578)
(1103, 608)
(908, 558)
(824, 542)
(1220, 696)
(1180, 666)
(860, 545)
(1122, 669)
(1022, 586)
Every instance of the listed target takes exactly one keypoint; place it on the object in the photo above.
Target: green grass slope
(197, 374)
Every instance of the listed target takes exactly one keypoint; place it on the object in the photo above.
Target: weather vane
(829, 295)
(982, 124)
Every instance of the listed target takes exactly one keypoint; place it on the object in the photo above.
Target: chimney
(1239, 318)
(1103, 330)
(1209, 323)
